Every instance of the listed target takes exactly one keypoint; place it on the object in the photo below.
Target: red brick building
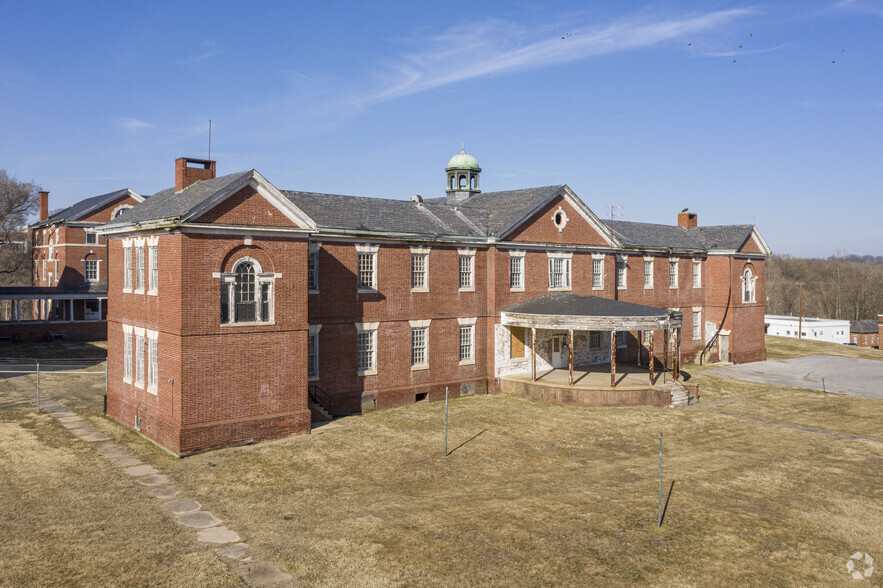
(69, 276)
(237, 308)
(864, 333)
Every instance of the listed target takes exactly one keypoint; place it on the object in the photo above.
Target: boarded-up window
(517, 346)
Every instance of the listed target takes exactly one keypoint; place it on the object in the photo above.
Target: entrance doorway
(560, 352)
(723, 343)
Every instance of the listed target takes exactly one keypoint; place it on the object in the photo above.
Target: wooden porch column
(640, 346)
(18, 311)
(676, 356)
(533, 354)
(612, 359)
(652, 359)
(570, 354)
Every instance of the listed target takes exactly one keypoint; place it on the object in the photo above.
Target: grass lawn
(535, 494)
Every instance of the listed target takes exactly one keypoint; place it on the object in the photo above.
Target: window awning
(563, 310)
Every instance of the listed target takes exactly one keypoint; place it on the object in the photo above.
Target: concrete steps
(315, 407)
(679, 395)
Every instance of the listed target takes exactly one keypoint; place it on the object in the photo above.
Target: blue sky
(746, 113)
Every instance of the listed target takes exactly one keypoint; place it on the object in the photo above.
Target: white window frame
(697, 273)
(127, 267)
(127, 354)
(598, 276)
(559, 265)
(622, 270)
(313, 358)
(139, 269)
(262, 278)
(95, 264)
(467, 328)
(153, 266)
(419, 276)
(313, 268)
(697, 323)
(94, 237)
(420, 344)
(648, 276)
(44, 270)
(466, 279)
(367, 330)
(366, 253)
(152, 361)
(57, 276)
(139, 357)
(647, 335)
(749, 281)
(673, 277)
(516, 271)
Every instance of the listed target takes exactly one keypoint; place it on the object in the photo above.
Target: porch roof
(564, 310)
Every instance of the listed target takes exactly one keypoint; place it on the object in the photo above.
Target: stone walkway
(187, 512)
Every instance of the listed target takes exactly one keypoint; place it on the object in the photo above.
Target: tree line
(846, 287)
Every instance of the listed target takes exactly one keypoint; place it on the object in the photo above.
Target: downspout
(726, 311)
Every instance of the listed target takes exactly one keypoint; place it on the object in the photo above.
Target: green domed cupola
(463, 174)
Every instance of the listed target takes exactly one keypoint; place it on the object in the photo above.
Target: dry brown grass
(549, 495)
(787, 348)
(70, 518)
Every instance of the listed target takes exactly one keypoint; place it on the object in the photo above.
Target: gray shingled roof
(672, 236)
(81, 208)
(503, 210)
(357, 213)
(863, 326)
(567, 304)
(168, 204)
(97, 288)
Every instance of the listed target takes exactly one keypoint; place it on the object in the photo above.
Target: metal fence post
(659, 519)
(38, 386)
(446, 421)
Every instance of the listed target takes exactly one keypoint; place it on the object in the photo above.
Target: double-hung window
(559, 271)
(419, 343)
(127, 268)
(697, 273)
(419, 269)
(367, 267)
(152, 361)
(467, 341)
(153, 280)
(748, 286)
(366, 351)
(139, 359)
(91, 238)
(91, 270)
(648, 273)
(313, 353)
(127, 353)
(697, 324)
(467, 270)
(139, 268)
(516, 270)
(621, 267)
(247, 294)
(594, 339)
(313, 268)
(598, 272)
(673, 273)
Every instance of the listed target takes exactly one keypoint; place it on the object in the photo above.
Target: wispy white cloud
(499, 47)
(134, 124)
(861, 6)
(210, 50)
(739, 52)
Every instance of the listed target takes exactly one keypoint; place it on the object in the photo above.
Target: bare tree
(18, 201)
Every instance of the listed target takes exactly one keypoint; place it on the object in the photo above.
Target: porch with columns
(559, 316)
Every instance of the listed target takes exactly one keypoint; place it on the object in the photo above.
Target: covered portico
(564, 312)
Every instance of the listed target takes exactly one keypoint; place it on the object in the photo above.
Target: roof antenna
(613, 208)
(210, 139)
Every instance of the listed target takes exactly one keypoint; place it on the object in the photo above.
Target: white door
(560, 353)
(723, 342)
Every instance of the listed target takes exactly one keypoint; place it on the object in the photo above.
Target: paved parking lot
(838, 375)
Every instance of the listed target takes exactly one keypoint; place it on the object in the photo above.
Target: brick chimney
(189, 170)
(44, 206)
(688, 220)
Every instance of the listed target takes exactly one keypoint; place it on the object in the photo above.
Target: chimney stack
(44, 206)
(688, 220)
(189, 170)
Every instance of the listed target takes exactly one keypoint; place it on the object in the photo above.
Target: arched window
(250, 291)
(748, 286)
(120, 210)
(472, 183)
(463, 182)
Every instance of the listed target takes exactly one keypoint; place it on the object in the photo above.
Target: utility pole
(800, 320)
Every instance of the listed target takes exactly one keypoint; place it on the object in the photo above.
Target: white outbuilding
(814, 329)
